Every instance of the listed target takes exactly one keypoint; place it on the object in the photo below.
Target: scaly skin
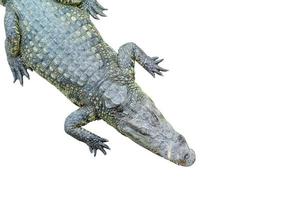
(56, 39)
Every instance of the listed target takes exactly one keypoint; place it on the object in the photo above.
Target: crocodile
(57, 40)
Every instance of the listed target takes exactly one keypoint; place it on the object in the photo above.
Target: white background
(232, 91)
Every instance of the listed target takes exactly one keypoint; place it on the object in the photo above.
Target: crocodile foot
(151, 65)
(93, 8)
(96, 143)
(18, 70)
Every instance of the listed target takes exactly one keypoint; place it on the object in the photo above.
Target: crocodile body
(57, 40)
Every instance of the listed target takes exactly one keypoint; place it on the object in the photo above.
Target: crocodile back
(62, 45)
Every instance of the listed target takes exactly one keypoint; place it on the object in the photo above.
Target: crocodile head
(138, 118)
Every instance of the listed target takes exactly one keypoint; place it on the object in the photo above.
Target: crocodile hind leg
(130, 52)
(90, 6)
(12, 46)
(73, 127)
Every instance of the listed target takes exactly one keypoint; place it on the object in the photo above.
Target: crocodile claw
(151, 65)
(93, 8)
(18, 70)
(97, 143)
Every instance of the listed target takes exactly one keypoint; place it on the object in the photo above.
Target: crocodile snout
(181, 155)
(189, 158)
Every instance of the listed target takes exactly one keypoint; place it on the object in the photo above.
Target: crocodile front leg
(12, 46)
(90, 6)
(130, 52)
(79, 118)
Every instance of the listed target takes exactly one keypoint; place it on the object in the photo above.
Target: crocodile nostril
(186, 156)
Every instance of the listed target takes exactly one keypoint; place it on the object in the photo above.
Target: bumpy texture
(57, 39)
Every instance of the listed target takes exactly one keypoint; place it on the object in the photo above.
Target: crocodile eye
(119, 108)
(152, 117)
